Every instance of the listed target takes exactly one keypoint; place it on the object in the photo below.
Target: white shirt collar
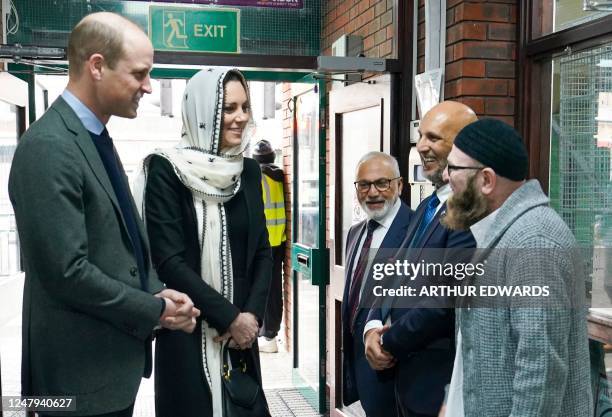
(481, 228)
(444, 193)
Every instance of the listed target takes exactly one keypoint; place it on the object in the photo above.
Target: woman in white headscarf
(205, 219)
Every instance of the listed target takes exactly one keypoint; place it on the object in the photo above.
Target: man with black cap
(272, 183)
(511, 361)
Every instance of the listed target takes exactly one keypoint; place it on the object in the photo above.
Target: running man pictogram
(176, 33)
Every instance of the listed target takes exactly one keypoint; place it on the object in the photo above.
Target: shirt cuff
(372, 324)
(163, 303)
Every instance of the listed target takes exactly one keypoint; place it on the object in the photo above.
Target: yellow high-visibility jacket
(274, 209)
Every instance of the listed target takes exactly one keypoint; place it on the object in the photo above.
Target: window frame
(535, 77)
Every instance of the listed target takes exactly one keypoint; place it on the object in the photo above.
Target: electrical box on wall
(349, 46)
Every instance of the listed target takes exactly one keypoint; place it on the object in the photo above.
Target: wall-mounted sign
(428, 86)
(283, 4)
(200, 30)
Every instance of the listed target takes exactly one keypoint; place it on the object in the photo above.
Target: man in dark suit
(88, 308)
(378, 185)
(419, 342)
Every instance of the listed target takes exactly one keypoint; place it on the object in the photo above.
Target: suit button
(133, 271)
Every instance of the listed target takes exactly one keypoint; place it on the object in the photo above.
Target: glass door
(13, 109)
(309, 255)
(359, 117)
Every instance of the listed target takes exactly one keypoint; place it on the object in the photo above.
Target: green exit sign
(200, 30)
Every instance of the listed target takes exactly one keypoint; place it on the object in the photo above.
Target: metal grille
(581, 167)
(268, 31)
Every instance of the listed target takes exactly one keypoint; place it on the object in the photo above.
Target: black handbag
(242, 395)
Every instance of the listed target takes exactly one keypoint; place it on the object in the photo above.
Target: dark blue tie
(428, 215)
(116, 175)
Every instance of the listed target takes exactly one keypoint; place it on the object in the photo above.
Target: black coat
(180, 384)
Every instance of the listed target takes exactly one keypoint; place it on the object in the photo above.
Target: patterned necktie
(428, 215)
(359, 271)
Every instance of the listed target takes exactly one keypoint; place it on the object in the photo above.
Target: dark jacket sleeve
(164, 214)
(419, 327)
(261, 267)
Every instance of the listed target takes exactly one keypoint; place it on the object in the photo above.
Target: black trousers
(123, 413)
(274, 308)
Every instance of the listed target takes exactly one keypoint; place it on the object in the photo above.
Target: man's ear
(400, 185)
(95, 66)
(489, 180)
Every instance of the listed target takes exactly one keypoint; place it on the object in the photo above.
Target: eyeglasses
(382, 184)
(452, 168)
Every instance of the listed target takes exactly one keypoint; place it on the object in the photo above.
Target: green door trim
(316, 262)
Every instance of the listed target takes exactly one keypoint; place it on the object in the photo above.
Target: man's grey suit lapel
(84, 141)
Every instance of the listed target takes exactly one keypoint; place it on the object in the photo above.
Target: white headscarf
(213, 177)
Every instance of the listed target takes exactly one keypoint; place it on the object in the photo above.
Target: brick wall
(287, 123)
(373, 20)
(481, 55)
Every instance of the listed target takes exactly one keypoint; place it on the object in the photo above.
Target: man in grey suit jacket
(525, 356)
(89, 310)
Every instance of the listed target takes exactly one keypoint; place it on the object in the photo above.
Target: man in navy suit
(419, 342)
(378, 185)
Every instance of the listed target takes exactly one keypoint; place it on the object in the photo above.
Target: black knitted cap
(496, 145)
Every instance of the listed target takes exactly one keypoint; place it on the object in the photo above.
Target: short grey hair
(382, 155)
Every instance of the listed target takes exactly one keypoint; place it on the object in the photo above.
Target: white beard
(381, 212)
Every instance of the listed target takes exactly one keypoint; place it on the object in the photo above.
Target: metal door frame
(320, 256)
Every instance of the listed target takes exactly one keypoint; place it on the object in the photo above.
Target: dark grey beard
(436, 178)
